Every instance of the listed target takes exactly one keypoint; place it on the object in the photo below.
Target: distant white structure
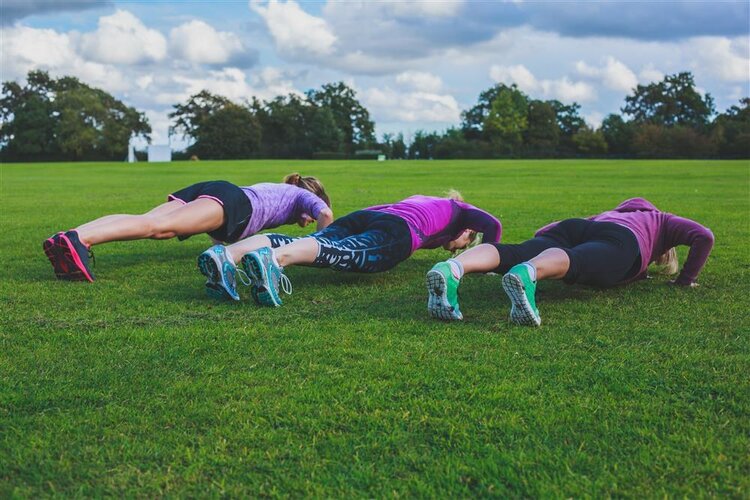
(160, 152)
(381, 157)
(131, 151)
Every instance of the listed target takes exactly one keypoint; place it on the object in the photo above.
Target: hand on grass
(690, 285)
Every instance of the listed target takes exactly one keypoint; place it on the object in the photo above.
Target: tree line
(65, 119)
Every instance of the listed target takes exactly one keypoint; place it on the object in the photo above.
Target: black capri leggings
(362, 242)
(601, 253)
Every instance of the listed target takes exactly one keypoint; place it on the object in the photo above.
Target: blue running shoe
(221, 273)
(265, 277)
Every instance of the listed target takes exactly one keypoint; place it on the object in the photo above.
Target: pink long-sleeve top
(657, 232)
(435, 221)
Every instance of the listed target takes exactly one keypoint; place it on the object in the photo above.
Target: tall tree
(473, 119)
(673, 101)
(189, 116)
(232, 132)
(619, 135)
(65, 119)
(542, 134)
(732, 129)
(351, 117)
(507, 120)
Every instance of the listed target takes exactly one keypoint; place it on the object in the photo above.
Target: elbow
(325, 217)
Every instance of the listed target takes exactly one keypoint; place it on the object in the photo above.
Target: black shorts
(236, 205)
(601, 253)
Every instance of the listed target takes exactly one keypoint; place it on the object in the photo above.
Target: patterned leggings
(361, 242)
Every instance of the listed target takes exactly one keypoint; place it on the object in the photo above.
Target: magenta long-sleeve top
(435, 221)
(657, 232)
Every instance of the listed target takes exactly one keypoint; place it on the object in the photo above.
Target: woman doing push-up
(612, 248)
(225, 211)
(372, 240)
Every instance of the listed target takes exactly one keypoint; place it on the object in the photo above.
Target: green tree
(618, 134)
(473, 119)
(732, 130)
(189, 116)
(569, 121)
(590, 142)
(297, 128)
(507, 120)
(673, 101)
(232, 132)
(542, 134)
(65, 119)
(350, 116)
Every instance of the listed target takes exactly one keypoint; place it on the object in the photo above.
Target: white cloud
(420, 80)
(294, 31)
(122, 38)
(562, 89)
(727, 59)
(424, 8)
(389, 104)
(613, 74)
(198, 42)
(649, 74)
(517, 74)
(24, 49)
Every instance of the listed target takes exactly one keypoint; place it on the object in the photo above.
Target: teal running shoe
(265, 277)
(220, 272)
(442, 291)
(521, 290)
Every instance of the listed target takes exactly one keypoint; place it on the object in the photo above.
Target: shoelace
(286, 283)
(244, 278)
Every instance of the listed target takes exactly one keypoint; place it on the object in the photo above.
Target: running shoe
(442, 290)
(521, 290)
(266, 277)
(69, 256)
(220, 272)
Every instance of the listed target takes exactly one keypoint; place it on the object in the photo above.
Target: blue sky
(415, 64)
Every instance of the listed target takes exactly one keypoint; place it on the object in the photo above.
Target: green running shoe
(521, 290)
(266, 277)
(442, 290)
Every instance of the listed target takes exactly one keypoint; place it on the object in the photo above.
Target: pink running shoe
(69, 257)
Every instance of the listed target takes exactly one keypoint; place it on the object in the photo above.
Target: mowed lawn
(140, 385)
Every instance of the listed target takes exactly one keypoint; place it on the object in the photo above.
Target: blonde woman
(612, 248)
(372, 240)
(223, 210)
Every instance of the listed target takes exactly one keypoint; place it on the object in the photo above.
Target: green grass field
(140, 385)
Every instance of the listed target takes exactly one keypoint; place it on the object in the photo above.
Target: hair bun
(294, 179)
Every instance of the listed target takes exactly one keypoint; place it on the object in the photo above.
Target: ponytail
(309, 184)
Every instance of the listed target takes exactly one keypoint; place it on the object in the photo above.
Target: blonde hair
(453, 194)
(667, 262)
(311, 184)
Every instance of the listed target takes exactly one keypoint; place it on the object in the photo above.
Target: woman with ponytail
(226, 212)
(613, 248)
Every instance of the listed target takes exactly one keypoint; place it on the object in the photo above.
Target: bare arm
(325, 217)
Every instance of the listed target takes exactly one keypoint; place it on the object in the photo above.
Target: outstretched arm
(700, 239)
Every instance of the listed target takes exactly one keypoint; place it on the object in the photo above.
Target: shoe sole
(216, 286)
(521, 312)
(259, 277)
(437, 302)
(63, 257)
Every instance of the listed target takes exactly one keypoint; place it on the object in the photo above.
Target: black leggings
(601, 253)
(361, 242)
